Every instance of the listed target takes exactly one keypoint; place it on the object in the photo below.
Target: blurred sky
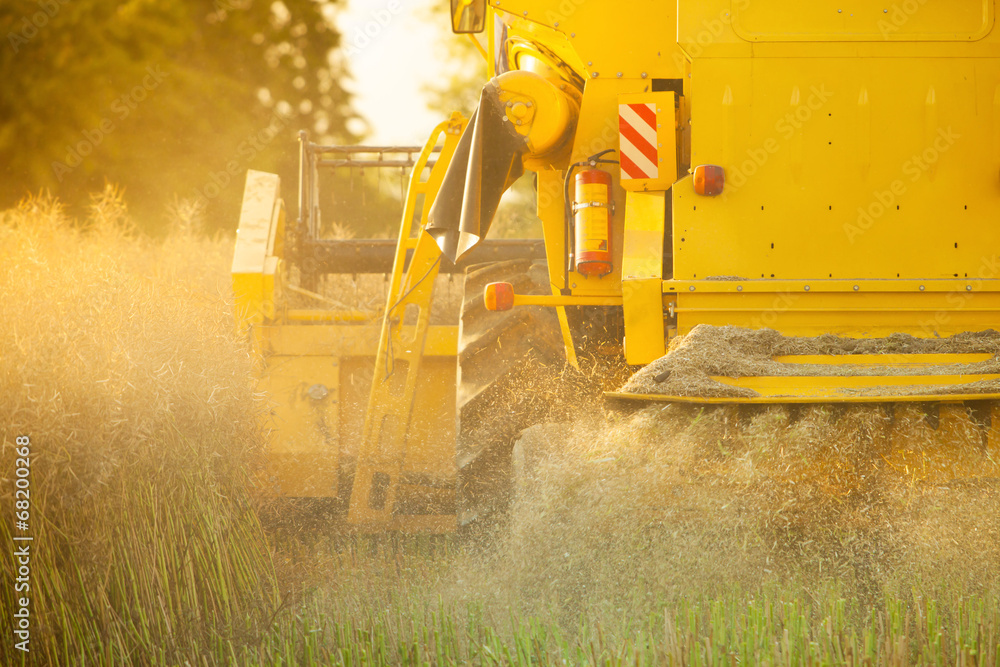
(393, 49)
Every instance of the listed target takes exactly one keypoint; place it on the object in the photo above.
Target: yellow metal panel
(643, 309)
(862, 20)
(597, 31)
(811, 193)
(666, 140)
(258, 239)
(642, 253)
(303, 315)
(960, 290)
(642, 270)
(303, 453)
(550, 211)
(848, 313)
(706, 30)
(353, 340)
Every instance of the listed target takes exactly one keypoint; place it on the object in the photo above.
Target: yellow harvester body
(860, 146)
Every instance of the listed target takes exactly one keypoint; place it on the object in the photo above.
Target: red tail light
(499, 296)
(709, 180)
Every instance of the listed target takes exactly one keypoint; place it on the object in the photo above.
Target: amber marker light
(709, 179)
(499, 296)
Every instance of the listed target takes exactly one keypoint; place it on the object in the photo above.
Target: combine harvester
(802, 201)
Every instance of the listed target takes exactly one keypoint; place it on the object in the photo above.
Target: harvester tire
(508, 363)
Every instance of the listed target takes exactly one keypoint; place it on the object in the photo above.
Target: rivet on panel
(856, 288)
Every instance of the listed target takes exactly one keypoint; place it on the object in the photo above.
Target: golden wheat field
(642, 538)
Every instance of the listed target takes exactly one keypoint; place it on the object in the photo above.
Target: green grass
(772, 628)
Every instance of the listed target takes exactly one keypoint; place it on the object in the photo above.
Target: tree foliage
(168, 98)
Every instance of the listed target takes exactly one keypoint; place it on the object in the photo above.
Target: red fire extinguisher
(592, 221)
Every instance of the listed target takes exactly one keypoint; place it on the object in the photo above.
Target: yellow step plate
(847, 388)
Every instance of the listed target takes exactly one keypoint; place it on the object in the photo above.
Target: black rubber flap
(487, 161)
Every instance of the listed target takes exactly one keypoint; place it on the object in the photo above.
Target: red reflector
(499, 296)
(709, 180)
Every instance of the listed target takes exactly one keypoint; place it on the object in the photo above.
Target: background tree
(173, 98)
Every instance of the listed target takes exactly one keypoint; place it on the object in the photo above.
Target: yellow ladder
(401, 349)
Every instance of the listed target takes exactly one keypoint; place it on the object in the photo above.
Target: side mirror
(468, 16)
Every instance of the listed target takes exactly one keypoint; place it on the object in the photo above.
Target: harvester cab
(799, 202)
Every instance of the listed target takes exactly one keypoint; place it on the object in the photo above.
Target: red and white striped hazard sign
(637, 126)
